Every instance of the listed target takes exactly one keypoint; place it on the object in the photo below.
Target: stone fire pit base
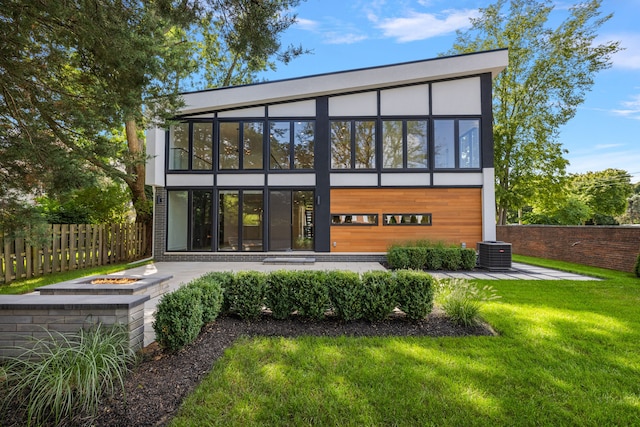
(153, 285)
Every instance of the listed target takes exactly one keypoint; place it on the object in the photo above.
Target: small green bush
(415, 293)
(61, 378)
(245, 296)
(637, 267)
(178, 318)
(347, 294)
(434, 259)
(379, 295)
(398, 257)
(461, 299)
(310, 293)
(468, 259)
(451, 259)
(225, 278)
(279, 297)
(212, 296)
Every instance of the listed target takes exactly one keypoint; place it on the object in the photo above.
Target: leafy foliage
(550, 71)
(279, 296)
(178, 318)
(637, 266)
(380, 297)
(462, 299)
(212, 296)
(245, 296)
(347, 294)
(63, 377)
(310, 293)
(415, 293)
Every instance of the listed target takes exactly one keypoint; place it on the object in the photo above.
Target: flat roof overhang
(442, 68)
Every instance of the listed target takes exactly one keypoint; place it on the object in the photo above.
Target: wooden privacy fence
(71, 247)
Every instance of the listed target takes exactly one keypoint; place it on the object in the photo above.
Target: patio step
(288, 261)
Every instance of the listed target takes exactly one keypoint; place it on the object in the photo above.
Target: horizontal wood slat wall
(456, 216)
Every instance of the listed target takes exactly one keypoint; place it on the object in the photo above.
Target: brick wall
(600, 246)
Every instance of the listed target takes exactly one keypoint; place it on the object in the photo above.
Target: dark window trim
(241, 121)
(291, 121)
(412, 224)
(456, 141)
(358, 224)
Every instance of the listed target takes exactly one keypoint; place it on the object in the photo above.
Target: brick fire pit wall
(615, 248)
(23, 317)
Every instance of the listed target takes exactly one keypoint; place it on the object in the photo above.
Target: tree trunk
(136, 180)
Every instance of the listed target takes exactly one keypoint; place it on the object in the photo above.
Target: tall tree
(549, 74)
(605, 192)
(71, 72)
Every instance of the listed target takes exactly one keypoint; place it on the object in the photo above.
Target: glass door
(240, 220)
(291, 217)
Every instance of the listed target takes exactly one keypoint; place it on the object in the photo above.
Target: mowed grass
(568, 353)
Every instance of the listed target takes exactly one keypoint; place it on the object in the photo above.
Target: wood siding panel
(456, 216)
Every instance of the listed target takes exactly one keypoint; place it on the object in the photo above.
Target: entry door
(291, 218)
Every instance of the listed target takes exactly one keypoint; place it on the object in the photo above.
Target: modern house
(347, 162)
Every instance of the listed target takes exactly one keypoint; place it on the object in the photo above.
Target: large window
(405, 144)
(291, 144)
(191, 146)
(240, 220)
(190, 220)
(457, 143)
(353, 144)
(240, 145)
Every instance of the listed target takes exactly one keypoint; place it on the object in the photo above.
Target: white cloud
(631, 108)
(340, 38)
(307, 24)
(628, 160)
(420, 26)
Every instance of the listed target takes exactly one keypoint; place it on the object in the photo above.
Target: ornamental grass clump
(462, 299)
(61, 378)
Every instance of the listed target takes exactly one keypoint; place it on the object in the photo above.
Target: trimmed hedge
(431, 258)
(373, 296)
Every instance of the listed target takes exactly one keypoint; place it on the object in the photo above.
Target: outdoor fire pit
(153, 285)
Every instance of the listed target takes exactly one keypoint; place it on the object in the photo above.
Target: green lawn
(568, 354)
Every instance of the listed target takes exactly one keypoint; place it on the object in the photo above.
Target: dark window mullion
(292, 145)
(353, 144)
(405, 150)
(456, 142)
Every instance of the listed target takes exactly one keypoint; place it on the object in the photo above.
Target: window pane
(392, 144)
(304, 137)
(417, 144)
(365, 144)
(179, 147)
(279, 136)
(469, 141)
(202, 146)
(444, 144)
(340, 145)
(302, 220)
(228, 221)
(177, 221)
(252, 145)
(252, 214)
(280, 220)
(229, 144)
(202, 220)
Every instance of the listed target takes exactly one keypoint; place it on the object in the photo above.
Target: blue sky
(344, 35)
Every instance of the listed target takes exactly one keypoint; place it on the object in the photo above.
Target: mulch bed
(157, 385)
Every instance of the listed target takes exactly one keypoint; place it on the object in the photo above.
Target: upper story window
(353, 144)
(291, 144)
(241, 145)
(456, 143)
(405, 144)
(191, 146)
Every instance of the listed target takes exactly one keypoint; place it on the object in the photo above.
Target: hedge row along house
(343, 163)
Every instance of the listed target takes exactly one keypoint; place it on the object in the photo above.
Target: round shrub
(637, 268)
(451, 259)
(278, 293)
(397, 257)
(347, 294)
(225, 278)
(434, 258)
(212, 296)
(415, 293)
(468, 258)
(178, 318)
(245, 295)
(379, 295)
(310, 293)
